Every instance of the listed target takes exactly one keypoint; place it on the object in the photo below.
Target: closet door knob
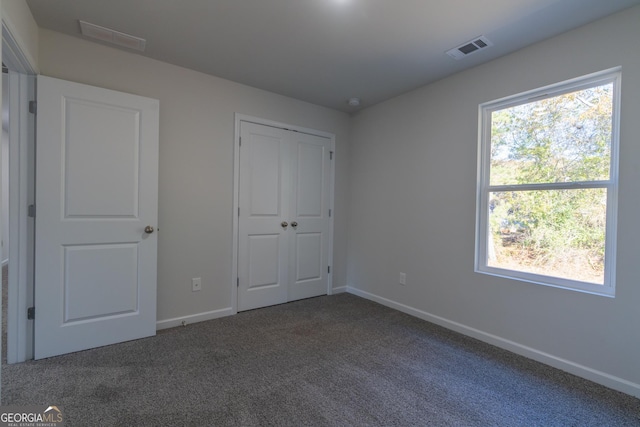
(294, 224)
(284, 224)
(148, 229)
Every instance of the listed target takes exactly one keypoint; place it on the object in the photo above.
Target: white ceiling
(326, 51)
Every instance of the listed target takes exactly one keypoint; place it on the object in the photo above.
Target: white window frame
(611, 185)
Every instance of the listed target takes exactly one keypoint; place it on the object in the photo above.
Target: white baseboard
(194, 318)
(339, 290)
(582, 371)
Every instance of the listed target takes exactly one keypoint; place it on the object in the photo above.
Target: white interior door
(96, 192)
(262, 245)
(309, 216)
(284, 216)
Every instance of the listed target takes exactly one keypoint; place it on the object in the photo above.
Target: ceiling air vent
(470, 47)
(112, 36)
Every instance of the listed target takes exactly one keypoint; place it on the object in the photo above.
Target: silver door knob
(284, 224)
(148, 229)
(294, 224)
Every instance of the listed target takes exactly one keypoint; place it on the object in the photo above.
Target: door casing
(236, 188)
(21, 193)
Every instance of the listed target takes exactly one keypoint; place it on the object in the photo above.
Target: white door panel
(99, 281)
(96, 181)
(101, 144)
(264, 259)
(310, 210)
(308, 262)
(310, 179)
(262, 246)
(284, 178)
(265, 175)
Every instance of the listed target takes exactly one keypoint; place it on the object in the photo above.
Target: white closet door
(262, 245)
(309, 216)
(284, 216)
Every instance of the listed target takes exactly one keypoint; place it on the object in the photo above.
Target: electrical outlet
(403, 279)
(196, 284)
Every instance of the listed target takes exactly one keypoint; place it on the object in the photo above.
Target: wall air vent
(472, 46)
(108, 35)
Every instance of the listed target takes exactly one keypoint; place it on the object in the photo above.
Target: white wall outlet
(403, 279)
(196, 284)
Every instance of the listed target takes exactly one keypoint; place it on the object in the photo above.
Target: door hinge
(31, 313)
(31, 211)
(330, 155)
(237, 282)
(329, 213)
(238, 210)
(329, 269)
(33, 107)
(240, 142)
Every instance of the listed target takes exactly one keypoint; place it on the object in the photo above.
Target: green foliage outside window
(562, 139)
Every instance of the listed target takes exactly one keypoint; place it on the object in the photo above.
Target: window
(547, 184)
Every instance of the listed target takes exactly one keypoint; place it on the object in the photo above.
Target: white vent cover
(112, 36)
(470, 47)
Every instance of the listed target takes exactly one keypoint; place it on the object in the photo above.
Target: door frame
(236, 193)
(21, 192)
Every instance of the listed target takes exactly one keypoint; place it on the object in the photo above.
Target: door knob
(148, 229)
(284, 224)
(294, 224)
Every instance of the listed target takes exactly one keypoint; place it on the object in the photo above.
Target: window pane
(565, 138)
(558, 233)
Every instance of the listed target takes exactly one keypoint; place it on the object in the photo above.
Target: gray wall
(412, 175)
(196, 161)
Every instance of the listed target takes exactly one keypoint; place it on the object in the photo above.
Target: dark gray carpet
(334, 361)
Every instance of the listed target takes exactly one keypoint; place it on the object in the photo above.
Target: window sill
(554, 282)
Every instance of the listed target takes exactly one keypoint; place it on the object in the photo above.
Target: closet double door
(284, 200)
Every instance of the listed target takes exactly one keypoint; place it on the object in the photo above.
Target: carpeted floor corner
(328, 361)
